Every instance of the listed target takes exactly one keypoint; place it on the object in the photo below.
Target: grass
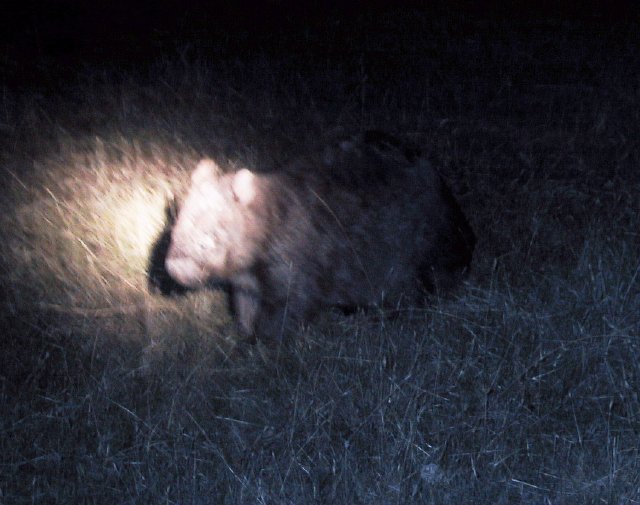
(520, 387)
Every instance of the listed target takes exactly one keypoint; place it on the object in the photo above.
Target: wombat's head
(209, 239)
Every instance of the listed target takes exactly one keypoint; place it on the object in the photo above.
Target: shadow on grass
(158, 279)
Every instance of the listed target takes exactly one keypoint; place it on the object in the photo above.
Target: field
(521, 386)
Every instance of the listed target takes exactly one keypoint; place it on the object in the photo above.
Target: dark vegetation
(520, 387)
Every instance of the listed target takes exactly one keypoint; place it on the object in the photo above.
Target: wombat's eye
(205, 243)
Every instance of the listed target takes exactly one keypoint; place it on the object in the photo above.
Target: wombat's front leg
(245, 303)
(255, 316)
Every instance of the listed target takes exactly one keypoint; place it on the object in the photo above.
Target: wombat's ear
(206, 170)
(244, 186)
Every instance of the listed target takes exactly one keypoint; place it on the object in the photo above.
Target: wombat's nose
(173, 261)
(171, 265)
(181, 270)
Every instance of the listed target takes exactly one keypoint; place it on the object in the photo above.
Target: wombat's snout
(183, 269)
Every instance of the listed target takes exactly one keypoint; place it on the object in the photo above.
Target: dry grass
(522, 387)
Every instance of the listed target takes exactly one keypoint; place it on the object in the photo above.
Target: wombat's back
(370, 222)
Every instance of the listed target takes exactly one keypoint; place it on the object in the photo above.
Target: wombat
(363, 222)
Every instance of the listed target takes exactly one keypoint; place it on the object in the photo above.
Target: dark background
(43, 43)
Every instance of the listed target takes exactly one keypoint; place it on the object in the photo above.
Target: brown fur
(364, 222)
